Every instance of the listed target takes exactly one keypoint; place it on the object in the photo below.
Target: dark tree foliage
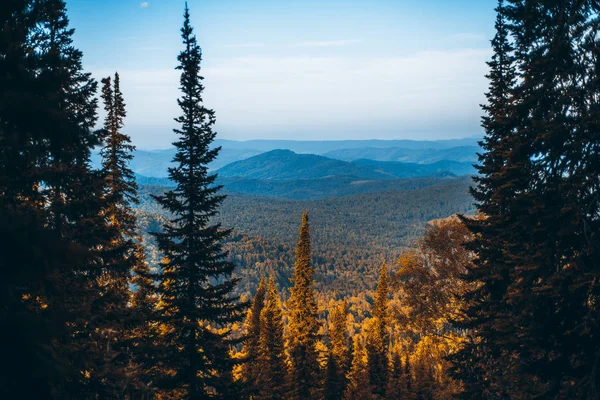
(128, 334)
(303, 326)
(51, 202)
(30, 251)
(75, 199)
(338, 358)
(251, 349)
(197, 306)
(489, 316)
(378, 338)
(396, 389)
(272, 374)
(535, 317)
(358, 386)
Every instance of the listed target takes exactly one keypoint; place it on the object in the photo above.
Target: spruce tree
(535, 316)
(358, 386)
(197, 304)
(31, 252)
(303, 326)
(338, 361)
(73, 197)
(272, 372)
(127, 325)
(252, 366)
(396, 389)
(488, 308)
(378, 337)
(408, 377)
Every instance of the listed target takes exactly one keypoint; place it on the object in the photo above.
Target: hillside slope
(285, 164)
(351, 235)
(411, 170)
(465, 154)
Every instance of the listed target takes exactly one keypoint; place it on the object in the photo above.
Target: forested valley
(427, 285)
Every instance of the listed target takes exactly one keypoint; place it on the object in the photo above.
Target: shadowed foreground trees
(535, 316)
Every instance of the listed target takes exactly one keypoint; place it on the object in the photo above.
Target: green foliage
(197, 307)
(355, 232)
(535, 315)
(285, 164)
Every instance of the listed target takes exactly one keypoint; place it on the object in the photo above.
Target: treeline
(353, 235)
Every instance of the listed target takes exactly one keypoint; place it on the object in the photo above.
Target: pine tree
(303, 326)
(73, 197)
(378, 338)
(251, 345)
(127, 327)
(535, 317)
(396, 389)
(273, 370)
(488, 301)
(197, 305)
(30, 252)
(338, 361)
(359, 387)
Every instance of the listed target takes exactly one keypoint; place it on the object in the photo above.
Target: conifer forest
(280, 274)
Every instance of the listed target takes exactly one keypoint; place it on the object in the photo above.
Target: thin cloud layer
(340, 96)
(330, 43)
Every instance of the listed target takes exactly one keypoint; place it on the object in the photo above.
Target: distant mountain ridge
(309, 189)
(155, 163)
(288, 175)
(321, 147)
(412, 170)
(418, 156)
(285, 164)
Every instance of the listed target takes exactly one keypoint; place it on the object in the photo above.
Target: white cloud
(467, 37)
(430, 94)
(144, 4)
(330, 43)
(244, 45)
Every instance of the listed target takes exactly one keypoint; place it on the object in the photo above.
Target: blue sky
(298, 69)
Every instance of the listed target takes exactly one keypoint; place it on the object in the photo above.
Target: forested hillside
(285, 164)
(465, 154)
(351, 235)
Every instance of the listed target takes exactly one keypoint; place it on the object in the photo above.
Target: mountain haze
(285, 164)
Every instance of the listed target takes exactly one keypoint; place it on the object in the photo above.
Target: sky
(301, 70)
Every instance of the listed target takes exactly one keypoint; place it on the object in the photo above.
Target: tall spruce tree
(126, 317)
(272, 375)
(378, 337)
(197, 304)
(73, 197)
(31, 252)
(338, 361)
(303, 326)
(252, 366)
(536, 314)
(489, 316)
